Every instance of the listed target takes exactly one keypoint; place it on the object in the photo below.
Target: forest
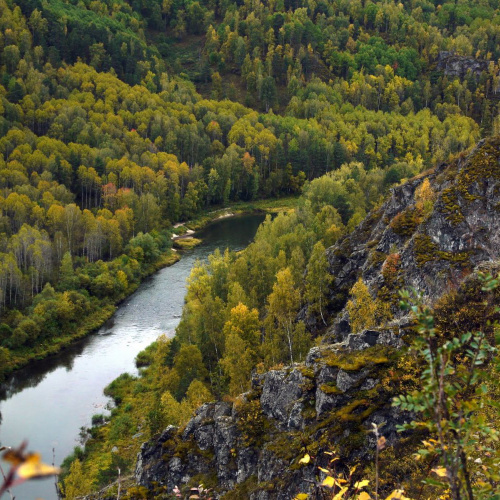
(104, 145)
(119, 119)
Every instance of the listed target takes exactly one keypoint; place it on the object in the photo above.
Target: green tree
(238, 363)
(318, 280)
(67, 278)
(284, 302)
(189, 366)
(268, 92)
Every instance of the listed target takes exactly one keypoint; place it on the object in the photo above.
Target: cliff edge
(433, 234)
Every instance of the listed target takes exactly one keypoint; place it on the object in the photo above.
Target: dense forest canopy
(120, 118)
(105, 142)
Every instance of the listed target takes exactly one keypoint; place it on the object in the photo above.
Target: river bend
(48, 402)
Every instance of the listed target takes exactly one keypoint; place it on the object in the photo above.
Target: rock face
(400, 245)
(253, 446)
(455, 66)
(431, 240)
(458, 66)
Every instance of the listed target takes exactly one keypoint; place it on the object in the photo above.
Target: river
(48, 402)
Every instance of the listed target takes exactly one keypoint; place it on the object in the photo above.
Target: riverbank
(17, 359)
(273, 206)
(115, 440)
(49, 401)
(14, 359)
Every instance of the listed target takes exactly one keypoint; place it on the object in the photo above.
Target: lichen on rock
(252, 447)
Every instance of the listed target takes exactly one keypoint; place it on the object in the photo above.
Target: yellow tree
(237, 363)
(284, 302)
(76, 483)
(362, 308)
(244, 323)
(242, 339)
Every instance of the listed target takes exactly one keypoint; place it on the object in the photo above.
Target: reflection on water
(33, 375)
(49, 401)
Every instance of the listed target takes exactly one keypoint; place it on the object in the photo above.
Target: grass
(355, 361)
(187, 243)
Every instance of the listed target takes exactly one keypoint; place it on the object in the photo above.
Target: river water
(48, 402)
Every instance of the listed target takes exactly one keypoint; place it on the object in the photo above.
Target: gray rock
(312, 356)
(269, 467)
(280, 392)
(222, 410)
(224, 444)
(458, 66)
(260, 495)
(167, 434)
(362, 340)
(203, 413)
(296, 420)
(368, 384)
(390, 339)
(326, 375)
(348, 380)
(247, 463)
(326, 402)
(204, 436)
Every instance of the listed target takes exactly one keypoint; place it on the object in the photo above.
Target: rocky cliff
(400, 245)
(428, 235)
(458, 66)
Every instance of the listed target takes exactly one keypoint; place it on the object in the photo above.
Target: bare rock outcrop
(252, 447)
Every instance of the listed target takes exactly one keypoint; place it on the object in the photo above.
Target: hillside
(120, 119)
(93, 155)
(434, 233)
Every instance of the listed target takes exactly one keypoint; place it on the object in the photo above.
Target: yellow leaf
(326, 471)
(397, 495)
(33, 468)
(328, 481)
(302, 496)
(361, 484)
(440, 471)
(305, 459)
(351, 471)
(364, 496)
(340, 494)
